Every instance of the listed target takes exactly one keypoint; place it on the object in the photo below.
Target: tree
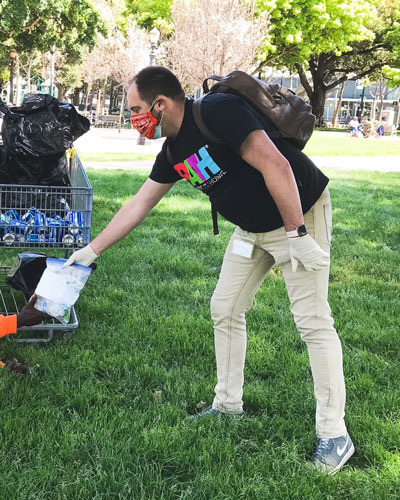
(66, 24)
(66, 75)
(30, 66)
(96, 66)
(130, 53)
(330, 42)
(393, 74)
(148, 13)
(44, 25)
(211, 37)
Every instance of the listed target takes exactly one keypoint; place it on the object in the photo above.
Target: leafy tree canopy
(334, 40)
(149, 13)
(302, 28)
(66, 24)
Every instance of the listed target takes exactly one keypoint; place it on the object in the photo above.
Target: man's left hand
(29, 316)
(306, 250)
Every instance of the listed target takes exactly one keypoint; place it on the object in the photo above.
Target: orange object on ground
(8, 324)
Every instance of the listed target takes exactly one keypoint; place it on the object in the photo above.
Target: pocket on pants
(328, 222)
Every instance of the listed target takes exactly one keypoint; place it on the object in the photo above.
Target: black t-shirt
(236, 189)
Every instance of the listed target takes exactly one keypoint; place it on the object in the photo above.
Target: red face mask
(145, 123)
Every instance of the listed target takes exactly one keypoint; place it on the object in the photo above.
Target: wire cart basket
(44, 217)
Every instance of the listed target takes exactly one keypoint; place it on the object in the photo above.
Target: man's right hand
(84, 256)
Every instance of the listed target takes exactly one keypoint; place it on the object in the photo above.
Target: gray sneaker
(331, 454)
(215, 413)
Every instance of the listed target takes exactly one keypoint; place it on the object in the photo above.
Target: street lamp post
(52, 72)
(362, 102)
(154, 37)
(13, 62)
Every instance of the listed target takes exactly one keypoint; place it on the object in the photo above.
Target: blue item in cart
(18, 227)
(29, 216)
(40, 219)
(55, 216)
(75, 220)
(7, 217)
(32, 238)
(55, 229)
(12, 215)
(14, 231)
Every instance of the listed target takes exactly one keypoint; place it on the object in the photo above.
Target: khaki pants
(238, 283)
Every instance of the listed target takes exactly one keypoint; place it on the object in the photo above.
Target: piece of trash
(159, 395)
(59, 288)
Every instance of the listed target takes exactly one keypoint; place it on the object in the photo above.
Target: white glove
(84, 256)
(306, 250)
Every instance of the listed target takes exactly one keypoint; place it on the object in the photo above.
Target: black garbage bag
(51, 170)
(41, 126)
(48, 171)
(26, 272)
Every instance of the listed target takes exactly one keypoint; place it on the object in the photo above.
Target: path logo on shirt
(200, 170)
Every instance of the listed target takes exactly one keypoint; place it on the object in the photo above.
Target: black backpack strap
(214, 215)
(200, 122)
(169, 155)
(211, 137)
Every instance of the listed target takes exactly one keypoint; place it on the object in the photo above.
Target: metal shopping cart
(44, 217)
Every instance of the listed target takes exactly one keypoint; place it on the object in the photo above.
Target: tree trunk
(373, 111)
(91, 99)
(381, 96)
(18, 82)
(104, 95)
(316, 94)
(317, 101)
(28, 75)
(121, 110)
(111, 106)
(87, 96)
(338, 105)
(76, 100)
(98, 102)
(12, 78)
(62, 90)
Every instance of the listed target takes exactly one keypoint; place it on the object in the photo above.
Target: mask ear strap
(152, 106)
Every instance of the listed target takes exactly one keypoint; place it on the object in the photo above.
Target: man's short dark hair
(155, 80)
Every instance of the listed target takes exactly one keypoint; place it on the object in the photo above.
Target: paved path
(110, 141)
(380, 163)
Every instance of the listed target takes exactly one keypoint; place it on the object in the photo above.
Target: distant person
(28, 316)
(369, 128)
(380, 131)
(353, 126)
(279, 201)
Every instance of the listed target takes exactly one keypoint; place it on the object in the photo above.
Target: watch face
(302, 230)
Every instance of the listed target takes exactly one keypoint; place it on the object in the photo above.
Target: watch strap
(298, 232)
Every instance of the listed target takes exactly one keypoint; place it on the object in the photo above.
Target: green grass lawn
(104, 416)
(342, 145)
(318, 145)
(85, 157)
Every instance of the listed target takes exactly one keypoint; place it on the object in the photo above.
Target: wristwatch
(299, 231)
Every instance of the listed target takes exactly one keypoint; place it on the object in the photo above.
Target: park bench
(106, 121)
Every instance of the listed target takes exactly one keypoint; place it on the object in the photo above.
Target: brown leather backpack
(291, 115)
